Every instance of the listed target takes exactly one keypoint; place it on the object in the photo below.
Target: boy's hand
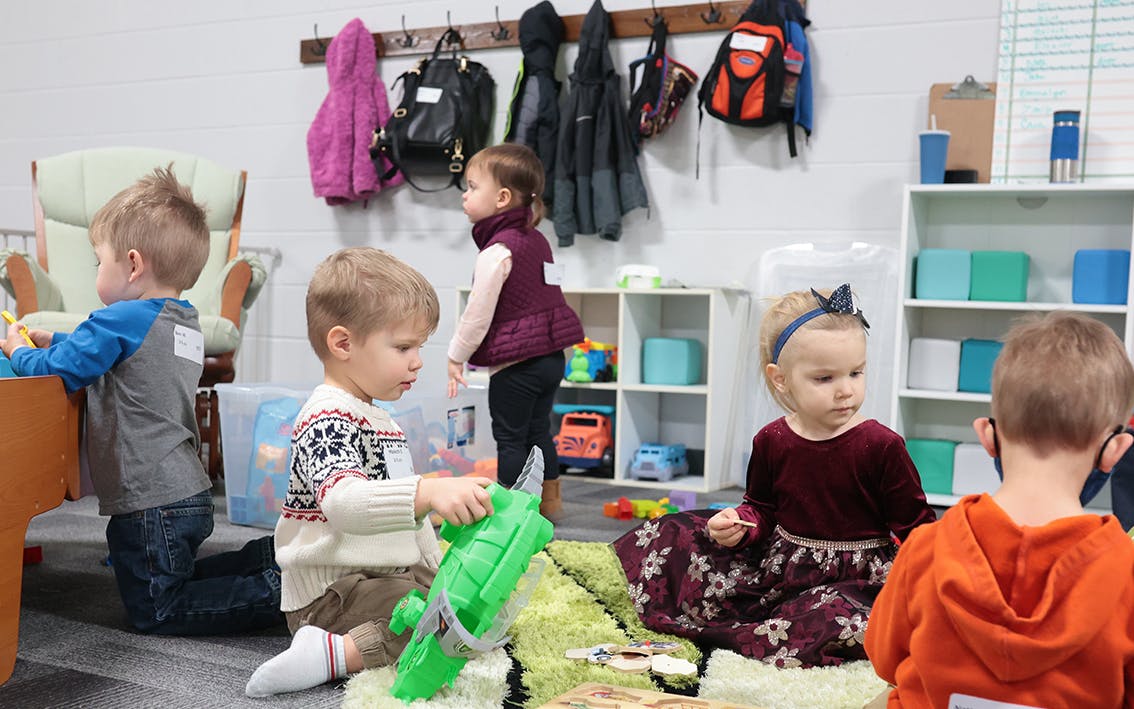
(723, 527)
(456, 376)
(460, 500)
(15, 340)
(41, 338)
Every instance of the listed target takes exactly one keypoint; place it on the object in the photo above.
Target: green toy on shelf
(485, 579)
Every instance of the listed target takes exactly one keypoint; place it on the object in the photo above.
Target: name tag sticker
(399, 464)
(553, 273)
(964, 701)
(428, 94)
(751, 42)
(188, 344)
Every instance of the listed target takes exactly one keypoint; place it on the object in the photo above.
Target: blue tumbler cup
(934, 148)
(1065, 146)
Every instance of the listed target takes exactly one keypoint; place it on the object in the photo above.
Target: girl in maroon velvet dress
(790, 574)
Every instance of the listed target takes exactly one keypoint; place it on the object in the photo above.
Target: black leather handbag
(442, 120)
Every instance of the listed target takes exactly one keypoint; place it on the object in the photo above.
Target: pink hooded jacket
(338, 142)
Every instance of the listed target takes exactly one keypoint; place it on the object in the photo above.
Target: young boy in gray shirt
(140, 359)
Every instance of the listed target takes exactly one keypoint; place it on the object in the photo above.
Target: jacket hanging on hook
(596, 175)
(338, 141)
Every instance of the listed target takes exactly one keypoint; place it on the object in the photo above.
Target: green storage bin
(999, 275)
(934, 461)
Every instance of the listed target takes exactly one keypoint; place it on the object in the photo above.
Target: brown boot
(551, 504)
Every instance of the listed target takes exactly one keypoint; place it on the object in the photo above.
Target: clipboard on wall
(967, 110)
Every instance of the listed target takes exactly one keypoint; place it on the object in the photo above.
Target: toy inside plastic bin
(255, 428)
(446, 436)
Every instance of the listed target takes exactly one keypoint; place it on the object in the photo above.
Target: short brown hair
(365, 290)
(157, 217)
(780, 314)
(1060, 381)
(517, 168)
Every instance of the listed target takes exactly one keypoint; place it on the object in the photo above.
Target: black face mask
(1095, 480)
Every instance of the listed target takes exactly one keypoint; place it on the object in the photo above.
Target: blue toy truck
(659, 462)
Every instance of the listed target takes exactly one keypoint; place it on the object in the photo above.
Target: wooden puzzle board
(593, 695)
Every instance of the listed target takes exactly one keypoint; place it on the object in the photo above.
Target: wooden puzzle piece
(667, 666)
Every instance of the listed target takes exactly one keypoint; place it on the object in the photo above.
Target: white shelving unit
(698, 415)
(1048, 222)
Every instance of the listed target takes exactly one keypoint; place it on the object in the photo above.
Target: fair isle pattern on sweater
(329, 444)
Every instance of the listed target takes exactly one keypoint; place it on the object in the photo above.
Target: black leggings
(520, 399)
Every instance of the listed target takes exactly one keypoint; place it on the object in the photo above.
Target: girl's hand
(723, 527)
(456, 376)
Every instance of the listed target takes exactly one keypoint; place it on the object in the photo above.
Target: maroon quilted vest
(531, 317)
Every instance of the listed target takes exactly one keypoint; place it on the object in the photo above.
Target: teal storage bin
(999, 275)
(6, 367)
(943, 274)
(934, 461)
(1100, 276)
(977, 358)
(671, 360)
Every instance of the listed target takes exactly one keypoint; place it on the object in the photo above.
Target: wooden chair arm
(76, 412)
(233, 292)
(23, 285)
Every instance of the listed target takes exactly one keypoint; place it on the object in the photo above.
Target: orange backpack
(745, 85)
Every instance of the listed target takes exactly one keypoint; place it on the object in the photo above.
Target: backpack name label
(748, 42)
(428, 94)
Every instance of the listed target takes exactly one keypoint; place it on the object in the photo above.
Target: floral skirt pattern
(789, 601)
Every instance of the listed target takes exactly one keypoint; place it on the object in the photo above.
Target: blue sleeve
(96, 346)
(804, 108)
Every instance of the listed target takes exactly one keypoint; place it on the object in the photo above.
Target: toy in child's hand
(23, 330)
(475, 596)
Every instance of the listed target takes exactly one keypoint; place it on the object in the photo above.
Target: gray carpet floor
(76, 649)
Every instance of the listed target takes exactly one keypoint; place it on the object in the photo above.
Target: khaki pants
(360, 605)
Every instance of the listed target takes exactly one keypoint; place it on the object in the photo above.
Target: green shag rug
(581, 601)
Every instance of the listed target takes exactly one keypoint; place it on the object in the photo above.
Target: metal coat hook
(320, 48)
(409, 40)
(451, 35)
(713, 17)
(502, 33)
(653, 21)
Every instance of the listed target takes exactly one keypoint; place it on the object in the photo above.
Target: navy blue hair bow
(840, 302)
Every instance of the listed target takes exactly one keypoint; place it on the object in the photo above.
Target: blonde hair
(366, 290)
(157, 217)
(780, 314)
(517, 168)
(1060, 381)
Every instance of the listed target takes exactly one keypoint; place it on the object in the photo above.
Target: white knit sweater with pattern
(346, 510)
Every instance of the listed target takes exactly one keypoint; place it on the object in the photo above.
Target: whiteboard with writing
(1065, 55)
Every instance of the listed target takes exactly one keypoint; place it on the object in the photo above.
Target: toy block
(671, 360)
(973, 470)
(642, 508)
(33, 555)
(1101, 276)
(977, 358)
(999, 275)
(625, 509)
(933, 459)
(485, 468)
(934, 364)
(683, 499)
(943, 274)
(610, 509)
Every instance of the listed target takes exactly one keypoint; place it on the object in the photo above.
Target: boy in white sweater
(353, 536)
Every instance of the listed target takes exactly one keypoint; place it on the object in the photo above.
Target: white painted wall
(223, 80)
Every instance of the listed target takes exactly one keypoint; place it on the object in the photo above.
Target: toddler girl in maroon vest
(517, 322)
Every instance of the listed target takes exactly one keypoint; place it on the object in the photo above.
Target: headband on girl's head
(840, 301)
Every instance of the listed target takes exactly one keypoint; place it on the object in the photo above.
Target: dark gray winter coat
(596, 174)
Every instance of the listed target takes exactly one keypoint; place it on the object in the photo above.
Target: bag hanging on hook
(442, 120)
(665, 84)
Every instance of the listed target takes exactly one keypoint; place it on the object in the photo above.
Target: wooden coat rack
(682, 19)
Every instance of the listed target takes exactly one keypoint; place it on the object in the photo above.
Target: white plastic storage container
(445, 437)
(255, 481)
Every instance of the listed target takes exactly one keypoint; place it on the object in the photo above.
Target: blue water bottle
(1065, 146)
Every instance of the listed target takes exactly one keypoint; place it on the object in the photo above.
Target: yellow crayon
(23, 330)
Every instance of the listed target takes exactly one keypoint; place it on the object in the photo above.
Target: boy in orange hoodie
(1020, 596)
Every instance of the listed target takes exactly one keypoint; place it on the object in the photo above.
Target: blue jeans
(167, 591)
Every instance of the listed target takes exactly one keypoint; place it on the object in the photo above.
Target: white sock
(315, 657)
